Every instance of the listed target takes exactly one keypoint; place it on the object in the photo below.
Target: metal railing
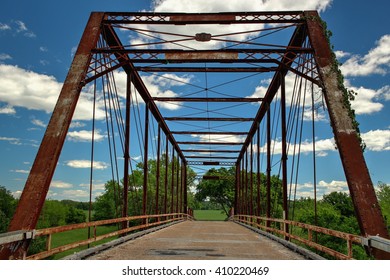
(48, 232)
(350, 239)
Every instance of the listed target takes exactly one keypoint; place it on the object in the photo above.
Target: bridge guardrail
(22, 235)
(370, 241)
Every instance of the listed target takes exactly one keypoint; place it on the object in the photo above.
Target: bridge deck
(199, 240)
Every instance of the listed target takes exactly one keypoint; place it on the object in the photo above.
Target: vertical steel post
(173, 180)
(362, 191)
(127, 151)
(237, 188)
(177, 185)
(158, 170)
(185, 190)
(146, 169)
(246, 183)
(166, 175)
(258, 173)
(268, 164)
(38, 182)
(284, 150)
(251, 182)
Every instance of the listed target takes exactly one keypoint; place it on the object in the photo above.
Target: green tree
(383, 194)
(7, 208)
(108, 205)
(219, 191)
(53, 214)
(75, 216)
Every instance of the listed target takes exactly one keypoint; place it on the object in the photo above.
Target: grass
(210, 215)
(68, 237)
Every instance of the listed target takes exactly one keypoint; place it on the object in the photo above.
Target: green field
(63, 238)
(209, 215)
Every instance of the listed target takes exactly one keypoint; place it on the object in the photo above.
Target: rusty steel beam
(207, 69)
(209, 99)
(208, 143)
(270, 17)
(365, 202)
(211, 157)
(210, 132)
(38, 181)
(209, 151)
(209, 119)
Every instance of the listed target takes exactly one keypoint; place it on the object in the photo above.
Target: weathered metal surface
(38, 181)
(209, 143)
(210, 55)
(203, 99)
(204, 18)
(208, 119)
(365, 202)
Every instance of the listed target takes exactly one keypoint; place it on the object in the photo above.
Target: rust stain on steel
(363, 195)
(38, 182)
(208, 55)
(214, 18)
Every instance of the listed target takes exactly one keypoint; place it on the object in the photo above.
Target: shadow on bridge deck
(200, 240)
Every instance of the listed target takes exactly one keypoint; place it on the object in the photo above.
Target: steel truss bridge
(130, 65)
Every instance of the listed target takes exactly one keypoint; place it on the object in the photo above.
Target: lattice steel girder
(210, 56)
(206, 18)
(208, 99)
(39, 179)
(363, 195)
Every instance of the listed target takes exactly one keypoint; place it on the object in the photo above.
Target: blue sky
(39, 38)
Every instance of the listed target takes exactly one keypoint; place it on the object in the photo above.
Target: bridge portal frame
(366, 206)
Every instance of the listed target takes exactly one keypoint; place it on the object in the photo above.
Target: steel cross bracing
(249, 49)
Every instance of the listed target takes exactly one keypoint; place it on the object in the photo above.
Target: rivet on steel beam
(203, 37)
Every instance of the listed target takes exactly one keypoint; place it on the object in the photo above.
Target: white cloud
(7, 110)
(377, 140)
(43, 49)
(341, 54)
(323, 188)
(219, 138)
(376, 61)
(38, 123)
(71, 194)
(34, 91)
(4, 26)
(200, 6)
(60, 185)
(21, 171)
(11, 140)
(77, 125)
(22, 28)
(4, 56)
(87, 164)
(84, 136)
(203, 6)
(366, 100)
(323, 146)
(95, 186)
